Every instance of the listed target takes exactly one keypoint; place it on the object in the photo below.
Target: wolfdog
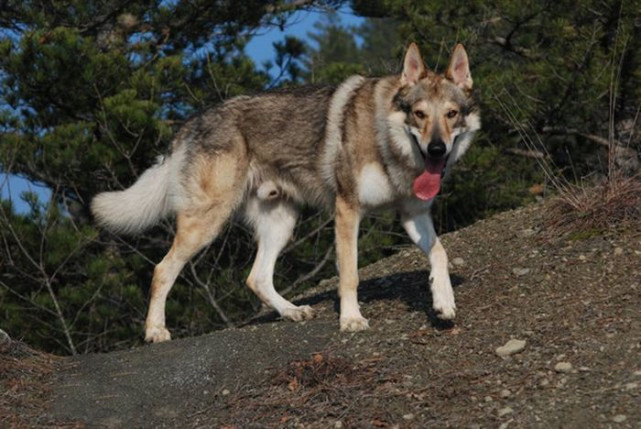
(366, 144)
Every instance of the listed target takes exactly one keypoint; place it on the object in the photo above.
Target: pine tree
(92, 92)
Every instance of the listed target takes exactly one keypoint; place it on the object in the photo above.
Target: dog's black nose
(436, 149)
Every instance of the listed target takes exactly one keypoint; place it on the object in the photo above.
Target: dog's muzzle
(435, 150)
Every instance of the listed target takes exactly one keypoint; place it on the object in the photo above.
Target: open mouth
(428, 184)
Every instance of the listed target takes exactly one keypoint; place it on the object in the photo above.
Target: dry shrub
(583, 209)
(316, 392)
(26, 377)
(22, 374)
(316, 371)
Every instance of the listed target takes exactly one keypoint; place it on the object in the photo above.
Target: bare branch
(572, 131)
(509, 46)
(311, 273)
(534, 154)
(210, 296)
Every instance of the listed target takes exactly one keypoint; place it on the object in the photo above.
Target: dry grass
(25, 386)
(581, 209)
(317, 392)
(315, 372)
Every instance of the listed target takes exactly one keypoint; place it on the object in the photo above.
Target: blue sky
(260, 49)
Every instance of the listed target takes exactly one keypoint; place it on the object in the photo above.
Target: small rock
(619, 418)
(338, 424)
(505, 393)
(544, 382)
(525, 233)
(631, 386)
(519, 272)
(409, 416)
(460, 262)
(563, 367)
(511, 347)
(582, 258)
(225, 392)
(618, 251)
(488, 399)
(505, 411)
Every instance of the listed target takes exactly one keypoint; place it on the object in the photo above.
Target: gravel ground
(548, 334)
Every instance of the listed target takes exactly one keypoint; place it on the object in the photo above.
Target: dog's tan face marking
(436, 105)
(435, 109)
(435, 119)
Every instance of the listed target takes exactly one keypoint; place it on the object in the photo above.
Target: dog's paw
(354, 324)
(157, 334)
(443, 299)
(296, 314)
(445, 310)
(446, 313)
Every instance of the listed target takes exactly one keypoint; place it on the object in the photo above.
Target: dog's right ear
(413, 67)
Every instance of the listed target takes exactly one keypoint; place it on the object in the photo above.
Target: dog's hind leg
(193, 232)
(273, 222)
(214, 187)
(420, 229)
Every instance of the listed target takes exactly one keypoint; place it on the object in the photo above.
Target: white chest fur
(374, 188)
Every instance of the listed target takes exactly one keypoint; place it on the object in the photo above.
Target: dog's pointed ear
(459, 68)
(413, 67)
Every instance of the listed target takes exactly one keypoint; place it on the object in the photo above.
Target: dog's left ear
(459, 68)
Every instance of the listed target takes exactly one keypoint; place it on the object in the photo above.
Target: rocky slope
(573, 305)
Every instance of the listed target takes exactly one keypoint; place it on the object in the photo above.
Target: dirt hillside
(574, 305)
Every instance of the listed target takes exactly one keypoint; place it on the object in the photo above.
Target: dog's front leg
(346, 224)
(421, 230)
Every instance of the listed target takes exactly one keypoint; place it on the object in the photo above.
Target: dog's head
(434, 116)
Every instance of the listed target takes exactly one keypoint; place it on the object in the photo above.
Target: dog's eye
(419, 114)
(452, 113)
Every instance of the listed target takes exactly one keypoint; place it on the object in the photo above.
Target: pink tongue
(427, 185)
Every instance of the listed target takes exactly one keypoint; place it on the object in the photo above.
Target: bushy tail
(138, 207)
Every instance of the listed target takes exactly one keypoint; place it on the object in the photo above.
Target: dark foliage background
(92, 92)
